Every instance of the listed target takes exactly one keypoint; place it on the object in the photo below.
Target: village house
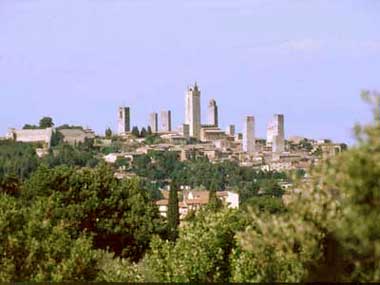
(194, 200)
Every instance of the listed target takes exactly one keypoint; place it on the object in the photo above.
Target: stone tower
(231, 130)
(213, 113)
(166, 121)
(153, 122)
(276, 133)
(123, 121)
(249, 139)
(193, 111)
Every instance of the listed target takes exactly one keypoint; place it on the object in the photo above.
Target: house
(194, 200)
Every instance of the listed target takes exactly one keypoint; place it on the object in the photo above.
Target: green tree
(264, 203)
(214, 202)
(143, 133)
(17, 159)
(36, 249)
(330, 230)
(135, 132)
(10, 185)
(46, 122)
(118, 214)
(149, 131)
(56, 138)
(29, 127)
(200, 254)
(173, 212)
(108, 133)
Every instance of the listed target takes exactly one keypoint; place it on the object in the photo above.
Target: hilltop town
(133, 152)
(194, 139)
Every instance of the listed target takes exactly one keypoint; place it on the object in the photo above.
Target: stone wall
(29, 136)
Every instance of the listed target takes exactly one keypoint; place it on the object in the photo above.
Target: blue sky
(77, 60)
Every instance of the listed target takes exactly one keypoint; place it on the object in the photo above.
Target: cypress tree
(173, 212)
(149, 131)
(135, 132)
(143, 133)
(214, 203)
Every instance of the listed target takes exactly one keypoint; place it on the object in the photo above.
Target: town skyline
(179, 118)
(311, 71)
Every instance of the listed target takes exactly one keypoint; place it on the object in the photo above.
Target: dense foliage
(200, 173)
(63, 216)
(17, 159)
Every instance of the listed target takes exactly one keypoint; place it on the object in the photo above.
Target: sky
(78, 60)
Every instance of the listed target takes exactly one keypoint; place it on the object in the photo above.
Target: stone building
(211, 134)
(153, 122)
(76, 135)
(32, 136)
(124, 120)
(249, 135)
(166, 121)
(213, 113)
(276, 134)
(193, 110)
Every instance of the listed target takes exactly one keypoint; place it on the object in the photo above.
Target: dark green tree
(214, 202)
(143, 133)
(149, 131)
(173, 212)
(56, 138)
(46, 122)
(108, 133)
(29, 127)
(135, 131)
(17, 159)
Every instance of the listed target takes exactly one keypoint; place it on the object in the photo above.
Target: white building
(193, 111)
(194, 200)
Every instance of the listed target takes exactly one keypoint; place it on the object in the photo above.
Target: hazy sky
(77, 60)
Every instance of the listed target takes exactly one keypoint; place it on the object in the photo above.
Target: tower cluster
(193, 127)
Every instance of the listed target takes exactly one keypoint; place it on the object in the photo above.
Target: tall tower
(193, 111)
(153, 122)
(124, 120)
(276, 133)
(213, 113)
(166, 121)
(249, 139)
